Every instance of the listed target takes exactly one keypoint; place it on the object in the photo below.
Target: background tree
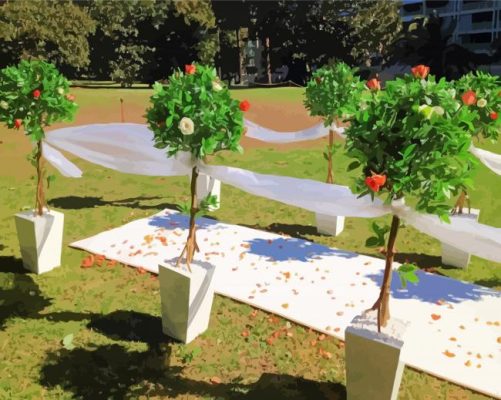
(427, 41)
(55, 31)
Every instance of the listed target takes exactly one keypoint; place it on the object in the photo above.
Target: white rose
(60, 90)
(4, 105)
(438, 110)
(186, 126)
(216, 86)
(481, 103)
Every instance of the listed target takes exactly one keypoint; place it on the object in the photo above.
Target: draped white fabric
(489, 159)
(129, 148)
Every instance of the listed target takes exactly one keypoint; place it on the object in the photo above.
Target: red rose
(493, 115)
(379, 179)
(469, 98)
(374, 84)
(70, 97)
(244, 105)
(190, 69)
(36, 94)
(420, 71)
(18, 123)
(371, 182)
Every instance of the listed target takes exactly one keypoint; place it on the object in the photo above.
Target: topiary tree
(195, 113)
(34, 95)
(411, 140)
(333, 92)
(481, 92)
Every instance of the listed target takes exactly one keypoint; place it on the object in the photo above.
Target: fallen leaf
(467, 363)
(499, 339)
(452, 339)
(435, 317)
(285, 305)
(87, 262)
(339, 313)
(448, 353)
(215, 380)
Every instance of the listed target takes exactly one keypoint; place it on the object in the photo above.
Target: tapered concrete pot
(373, 366)
(40, 239)
(186, 299)
(208, 185)
(454, 256)
(329, 225)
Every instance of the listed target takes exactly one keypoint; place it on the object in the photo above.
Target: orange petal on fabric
(453, 339)
(435, 317)
(448, 354)
(499, 339)
(287, 275)
(467, 363)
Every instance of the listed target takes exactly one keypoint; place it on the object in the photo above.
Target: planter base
(186, 299)
(207, 185)
(40, 239)
(329, 225)
(452, 255)
(373, 366)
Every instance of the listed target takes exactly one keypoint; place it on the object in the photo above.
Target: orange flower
(70, 97)
(190, 69)
(36, 94)
(374, 84)
(420, 71)
(244, 105)
(379, 179)
(493, 115)
(18, 123)
(469, 98)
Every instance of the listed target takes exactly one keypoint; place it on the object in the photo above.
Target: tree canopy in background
(145, 40)
(55, 31)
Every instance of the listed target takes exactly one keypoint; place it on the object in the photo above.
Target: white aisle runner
(455, 332)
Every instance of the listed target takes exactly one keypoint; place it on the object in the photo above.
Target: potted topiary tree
(410, 141)
(33, 95)
(479, 92)
(193, 116)
(333, 93)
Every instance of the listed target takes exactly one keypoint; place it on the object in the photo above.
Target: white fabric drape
(129, 148)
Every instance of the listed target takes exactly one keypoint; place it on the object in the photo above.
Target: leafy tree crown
(412, 139)
(485, 93)
(33, 95)
(333, 91)
(195, 113)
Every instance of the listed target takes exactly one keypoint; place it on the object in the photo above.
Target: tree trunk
(330, 177)
(382, 304)
(191, 243)
(40, 196)
(268, 58)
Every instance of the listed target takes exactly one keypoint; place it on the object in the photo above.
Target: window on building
(482, 17)
(437, 4)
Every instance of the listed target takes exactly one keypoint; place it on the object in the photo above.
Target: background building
(477, 22)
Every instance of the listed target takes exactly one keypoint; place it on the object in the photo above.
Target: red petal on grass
(245, 333)
(87, 262)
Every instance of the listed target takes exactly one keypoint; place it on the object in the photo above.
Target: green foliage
(68, 342)
(374, 27)
(18, 100)
(407, 274)
(333, 92)
(486, 87)
(417, 133)
(205, 206)
(380, 233)
(202, 101)
(55, 31)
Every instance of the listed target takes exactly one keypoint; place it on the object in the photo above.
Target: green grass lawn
(114, 312)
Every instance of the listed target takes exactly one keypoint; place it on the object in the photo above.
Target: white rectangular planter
(373, 366)
(454, 256)
(40, 239)
(329, 225)
(208, 185)
(186, 299)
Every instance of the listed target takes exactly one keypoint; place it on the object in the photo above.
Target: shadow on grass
(490, 283)
(20, 296)
(113, 371)
(78, 203)
(423, 261)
